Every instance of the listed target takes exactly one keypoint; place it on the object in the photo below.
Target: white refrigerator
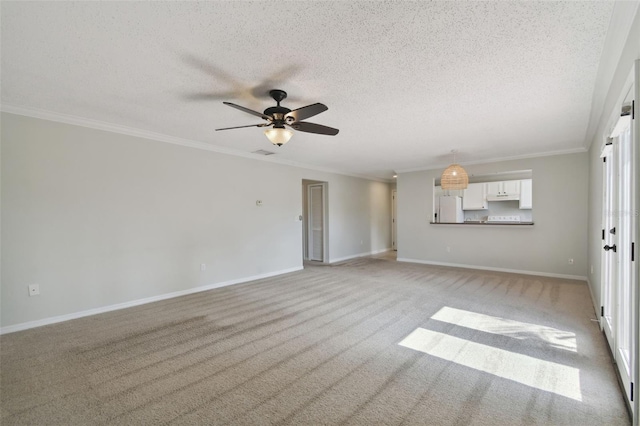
(450, 209)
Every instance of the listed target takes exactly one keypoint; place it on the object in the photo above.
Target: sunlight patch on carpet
(540, 374)
(510, 328)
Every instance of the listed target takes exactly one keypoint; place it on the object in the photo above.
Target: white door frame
(635, 344)
(324, 221)
(394, 219)
(608, 258)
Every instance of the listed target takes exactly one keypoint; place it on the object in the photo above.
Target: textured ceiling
(405, 82)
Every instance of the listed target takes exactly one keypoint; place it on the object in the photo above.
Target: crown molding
(159, 137)
(499, 159)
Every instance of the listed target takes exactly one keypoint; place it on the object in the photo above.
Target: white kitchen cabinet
(503, 190)
(475, 197)
(526, 194)
(494, 188)
(511, 187)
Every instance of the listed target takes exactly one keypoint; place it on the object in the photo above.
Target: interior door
(394, 220)
(316, 222)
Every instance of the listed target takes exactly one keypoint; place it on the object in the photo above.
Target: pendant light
(454, 176)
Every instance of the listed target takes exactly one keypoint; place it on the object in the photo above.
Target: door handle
(607, 248)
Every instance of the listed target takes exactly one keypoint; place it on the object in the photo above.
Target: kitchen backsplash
(499, 208)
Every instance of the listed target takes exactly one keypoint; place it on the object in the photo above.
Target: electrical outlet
(34, 289)
(570, 261)
(448, 249)
(203, 266)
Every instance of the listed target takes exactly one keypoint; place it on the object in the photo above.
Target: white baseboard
(490, 268)
(89, 312)
(596, 306)
(354, 256)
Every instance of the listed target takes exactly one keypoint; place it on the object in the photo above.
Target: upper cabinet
(526, 194)
(475, 197)
(512, 187)
(504, 190)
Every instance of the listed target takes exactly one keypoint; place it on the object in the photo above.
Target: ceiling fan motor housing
(278, 112)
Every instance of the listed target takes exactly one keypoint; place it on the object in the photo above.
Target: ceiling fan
(278, 117)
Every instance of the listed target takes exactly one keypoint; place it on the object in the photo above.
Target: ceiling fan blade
(307, 111)
(240, 127)
(302, 126)
(248, 111)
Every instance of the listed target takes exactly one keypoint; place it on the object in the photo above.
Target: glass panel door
(623, 259)
(620, 230)
(609, 269)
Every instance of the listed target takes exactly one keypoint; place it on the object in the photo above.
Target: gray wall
(559, 210)
(99, 219)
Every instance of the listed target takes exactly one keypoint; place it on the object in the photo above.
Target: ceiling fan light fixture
(278, 135)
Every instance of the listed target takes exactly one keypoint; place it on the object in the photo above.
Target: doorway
(394, 220)
(315, 223)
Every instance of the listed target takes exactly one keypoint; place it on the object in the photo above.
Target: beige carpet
(365, 342)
